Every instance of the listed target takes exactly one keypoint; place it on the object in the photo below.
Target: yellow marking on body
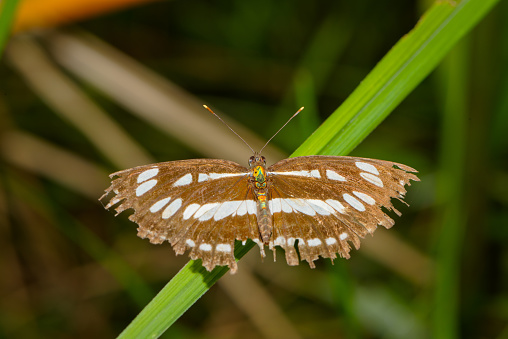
(259, 174)
(262, 199)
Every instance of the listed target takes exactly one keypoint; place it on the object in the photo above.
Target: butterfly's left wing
(326, 201)
(201, 205)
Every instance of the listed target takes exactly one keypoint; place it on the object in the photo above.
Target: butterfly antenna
(232, 130)
(287, 122)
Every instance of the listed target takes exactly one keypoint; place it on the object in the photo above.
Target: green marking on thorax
(260, 176)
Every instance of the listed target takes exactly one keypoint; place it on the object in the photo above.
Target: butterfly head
(256, 160)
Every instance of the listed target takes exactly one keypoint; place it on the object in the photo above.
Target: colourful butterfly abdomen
(264, 216)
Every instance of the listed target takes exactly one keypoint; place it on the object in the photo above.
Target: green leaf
(396, 75)
(7, 14)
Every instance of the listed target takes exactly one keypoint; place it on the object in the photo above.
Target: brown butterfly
(319, 203)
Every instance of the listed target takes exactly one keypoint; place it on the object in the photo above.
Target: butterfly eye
(263, 159)
(251, 159)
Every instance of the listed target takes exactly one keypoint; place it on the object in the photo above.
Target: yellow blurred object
(49, 13)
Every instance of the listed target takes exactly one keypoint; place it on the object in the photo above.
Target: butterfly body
(257, 163)
(321, 204)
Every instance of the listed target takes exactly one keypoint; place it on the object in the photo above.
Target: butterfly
(319, 204)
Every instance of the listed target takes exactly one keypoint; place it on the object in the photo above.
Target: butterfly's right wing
(200, 205)
(327, 201)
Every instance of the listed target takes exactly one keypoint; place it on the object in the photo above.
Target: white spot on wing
(315, 174)
(372, 179)
(302, 173)
(251, 206)
(280, 241)
(185, 180)
(314, 242)
(203, 209)
(172, 208)
(301, 206)
(159, 204)
(285, 206)
(275, 205)
(224, 175)
(332, 175)
(367, 167)
(306, 206)
(205, 247)
(320, 207)
(242, 208)
(190, 243)
(189, 211)
(223, 248)
(204, 176)
(365, 197)
(331, 241)
(150, 173)
(209, 214)
(336, 205)
(226, 209)
(353, 202)
(343, 236)
(145, 187)
(297, 173)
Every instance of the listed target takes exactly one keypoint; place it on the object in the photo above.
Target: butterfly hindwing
(311, 226)
(326, 201)
(201, 205)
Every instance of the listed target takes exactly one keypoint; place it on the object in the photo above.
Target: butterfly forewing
(198, 205)
(325, 202)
